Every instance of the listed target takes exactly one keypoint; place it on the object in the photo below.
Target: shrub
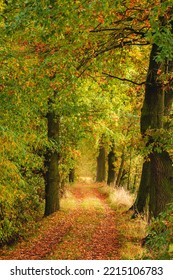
(160, 238)
(20, 200)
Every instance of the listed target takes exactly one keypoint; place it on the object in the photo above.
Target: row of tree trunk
(156, 185)
(103, 174)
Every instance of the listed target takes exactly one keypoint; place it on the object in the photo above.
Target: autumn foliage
(76, 80)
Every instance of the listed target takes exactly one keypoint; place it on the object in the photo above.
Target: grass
(92, 203)
(118, 198)
(68, 202)
(131, 231)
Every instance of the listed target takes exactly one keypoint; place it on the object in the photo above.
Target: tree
(111, 166)
(101, 163)
(157, 174)
(21, 137)
(52, 49)
(52, 158)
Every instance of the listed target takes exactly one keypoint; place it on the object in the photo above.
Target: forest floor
(85, 228)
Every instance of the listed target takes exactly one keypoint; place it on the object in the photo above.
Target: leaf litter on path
(86, 231)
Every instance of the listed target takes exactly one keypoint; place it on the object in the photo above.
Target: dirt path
(85, 229)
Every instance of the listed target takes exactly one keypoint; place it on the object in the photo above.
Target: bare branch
(124, 79)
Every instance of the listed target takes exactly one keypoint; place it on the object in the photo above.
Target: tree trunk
(72, 175)
(101, 165)
(129, 171)
(157, 185)
(168, 96)
(161, 191)
(153, 106)
(151, 118)
(135, 180)
(111, 167)
(52, 157)
(161, 187)
(120, 171)
(143, 190)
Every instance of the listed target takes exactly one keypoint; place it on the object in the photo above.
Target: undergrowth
(160, 236)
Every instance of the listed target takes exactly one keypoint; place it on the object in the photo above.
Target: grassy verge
(131, 231)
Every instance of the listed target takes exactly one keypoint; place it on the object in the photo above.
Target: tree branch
(124, 79)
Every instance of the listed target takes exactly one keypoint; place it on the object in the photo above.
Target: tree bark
(101, 165)
(153, 107)
(161, 186)
(52, 158)
(156, 179)
(72, 175)
(111, 167)
(143, 190)
(129, 171)
(120, 171)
